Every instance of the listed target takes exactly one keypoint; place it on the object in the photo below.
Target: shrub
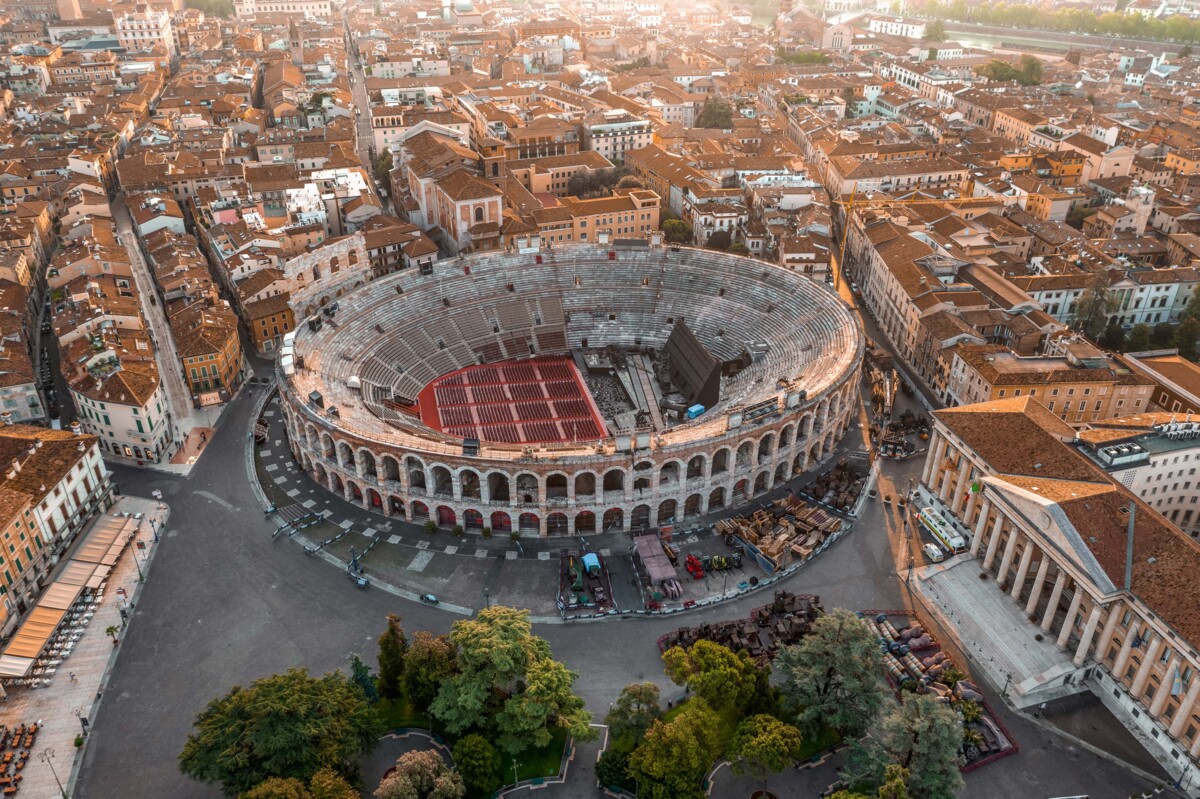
(431, 527)
(487, 532)
(458, 530)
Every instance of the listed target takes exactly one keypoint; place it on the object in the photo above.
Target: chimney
(6, 417)
(1129, 546)
(76, 428)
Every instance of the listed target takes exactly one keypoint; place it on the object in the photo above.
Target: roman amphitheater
(572, 390)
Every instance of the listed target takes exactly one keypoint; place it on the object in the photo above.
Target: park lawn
(542, 762)
(397, 713)
(815, 745)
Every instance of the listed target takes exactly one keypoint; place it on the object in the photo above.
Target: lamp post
(83, 722)
(514, 765)
(487, 597)
(47, 757)
(141, 577)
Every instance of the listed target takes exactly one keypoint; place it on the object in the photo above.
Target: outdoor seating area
(16, 745)
(62, 642)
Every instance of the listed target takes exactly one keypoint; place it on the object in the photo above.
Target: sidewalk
(58, 707)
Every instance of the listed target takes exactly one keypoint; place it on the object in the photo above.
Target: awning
(650, 552)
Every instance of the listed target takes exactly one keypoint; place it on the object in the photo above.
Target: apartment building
(614, 132)
(145, 28)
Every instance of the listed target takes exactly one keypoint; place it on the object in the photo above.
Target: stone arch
(806, 424)
(443, 481)
(781, 473)
(614, 480)
(643, 472)
(530, 523)
(468, 482)
(527, 488)
(374, 499)
(556, 487)
(614, 519)
(695, 467)
(446, 517)
(416, 473)
(693, 506)
(335, 265)
(669, 473)
(667, 512)
(720, 461)
(305, 462)
(787, 436)
(498, 489)
(716, 499)
(501, 522)
(327, 448)
(585, 523)
(766, 447)
(556, 524)
(397, 506)
(420, 512)
(319, 473)
(740, 489)
(312, 438)
(585, 484)
(745, 454)
(472, 519)
(479, 213)
(640, 518)
(762, 482)
(335, 483)
(367, 464)
(391, 468)
(798, 464)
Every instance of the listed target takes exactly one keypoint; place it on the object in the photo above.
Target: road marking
(543, 556)
(345, 524)
(268, 414)
(369, 531)
(272, 467)
(309, 503)
(422, 545)
(264, 452)
(481, 553)
(295, 492)
(604, 553)
(420, 561)
(510, 554)
(450, 550)
(394, 539)
(211, 497)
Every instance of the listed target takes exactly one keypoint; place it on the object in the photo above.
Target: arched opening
(305, 462)
(666, 512)
(585, 485)
(765, 447)
(785, 435)
(739, 492)
(416, 474)
(527, 488)
(498, 487)
(641, 476)
(720, 463)
(798, 464)
(335, 483)
(420, 512)
(640, 518)
(695, 467)
(374, 498)
(397, 506)
(530, 523)
(472, 520)
(479, 213)
(692, 506)
(345, 455)
(556, 524)
(743, 456)
(366, 462)
(556, 486)
(468, 480)
(326, 446)
(762, 483)
(319, 474)
(669, 473)
(781, 473)
(716, 500)
(614, 480)
(501, 522)
(614, 520)
(446, 516)
(585, 523)
(443, 482)
(391, 468)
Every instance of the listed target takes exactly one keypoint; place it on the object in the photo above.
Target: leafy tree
(680, 232)
(214, 8)
(832, 675)
(935, 31)
(630, 182)
(922, 736)
(479, 764)
(1185, 338)
(1185, 51)
(764, 745)
(286, 725)
(1113, 337)
(1138, 339)
(634, 711)
(715, 673)
(1094, 306)
(279, 788)
(393, 645)
(382, 166)
(719, 239)
(328, 784)
(894, 786)
(801, 56)
(421, 775)
(361, 674)
(715, 113)
(673, 758)
(1192, 309)
(427, 664)
(1031, 69)
(1162, 334)
(497, 653)
(612, 770)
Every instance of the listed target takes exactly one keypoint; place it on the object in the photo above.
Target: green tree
(1192, 309)
(716, 674)
(935, 31)
(361, 674)
(479, 764)
(680, 232)
(393, 645)
(1185, 338)
(286, 725)
(719, 239)
(214, 8)
(1031, 70)
(671, 761)
(763, 745)
(497, 653)
(739, 248)
(612, 770)
(382, 166)
(630, 182)
(1138, 339)
(328, 784)
(634, 711)
(428, 663)
(1185, 51)
(1113, 337)
(715, 113)
(832, 675)
(894, 786)
(1094, 306)
(1163, 334)
(922, 736)
(278, 788)
(421, 775)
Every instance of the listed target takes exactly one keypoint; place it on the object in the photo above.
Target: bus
(941, 529)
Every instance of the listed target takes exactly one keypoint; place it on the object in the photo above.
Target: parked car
(933, 552)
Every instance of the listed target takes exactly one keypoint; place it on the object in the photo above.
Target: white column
(936, 445)
(1115, 611)
(1039, 582)
(943, 488)
(977, 539)
(1194, 752)
(1085, 640)
(1069, 621)
(1164, 687)
(993, 543)
(964, 470)
(1126, 648)
(1023, 569)
(1060, 583)
(1143, 673)
(1185, 707)
(972, 501)
(1010, 550)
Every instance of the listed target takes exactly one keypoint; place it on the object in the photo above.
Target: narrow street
(365, 138)
(179, 399)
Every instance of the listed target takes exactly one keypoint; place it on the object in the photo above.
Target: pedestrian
(71, 674)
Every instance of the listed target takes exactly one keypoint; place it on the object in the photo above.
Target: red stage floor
(534, 400)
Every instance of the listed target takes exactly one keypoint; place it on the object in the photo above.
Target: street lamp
(141, 577)
(487, 597)
(514, 765)
(83, 722)
(47, 757)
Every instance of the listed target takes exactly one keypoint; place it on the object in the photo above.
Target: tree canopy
(479, 764)
(713, 672)
(715, 113)
(1094, 306)
(832, 676)
(393, 645)
(764, 745)
(680, 232)
(286, 725)
(922, 736)
(1027, 72)
(1138, 339)
(673, 758)
(325, 784)
(634, 711)
(935, 31)
(427, 664)
(421, 775)
(1070, 20)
